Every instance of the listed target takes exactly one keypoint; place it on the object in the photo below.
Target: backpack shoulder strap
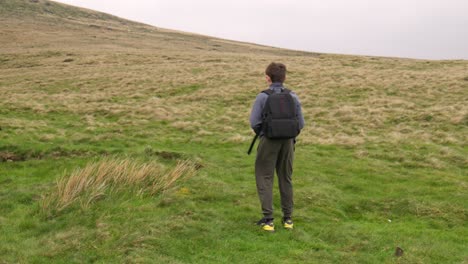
(268, 91)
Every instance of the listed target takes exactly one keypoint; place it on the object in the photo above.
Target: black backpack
(279, 116)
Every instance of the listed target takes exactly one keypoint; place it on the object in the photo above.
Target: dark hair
(276, 71)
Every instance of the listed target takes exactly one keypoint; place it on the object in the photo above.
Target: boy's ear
(268, 79)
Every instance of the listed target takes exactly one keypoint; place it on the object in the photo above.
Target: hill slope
(382, 162)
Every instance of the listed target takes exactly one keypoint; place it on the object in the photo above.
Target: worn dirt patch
(6, 156)
(16, 155)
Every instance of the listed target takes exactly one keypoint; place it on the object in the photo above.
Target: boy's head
(276, 72)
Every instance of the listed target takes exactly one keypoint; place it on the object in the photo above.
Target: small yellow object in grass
(183, 191)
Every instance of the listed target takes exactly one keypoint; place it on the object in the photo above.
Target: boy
(274, 153)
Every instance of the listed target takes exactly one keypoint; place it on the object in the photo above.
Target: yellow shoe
(288, 223)
(270, 227)
(267, 224)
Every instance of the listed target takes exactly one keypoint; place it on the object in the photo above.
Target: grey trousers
(275, 154)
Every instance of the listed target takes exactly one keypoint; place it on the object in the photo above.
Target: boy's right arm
(299, 112)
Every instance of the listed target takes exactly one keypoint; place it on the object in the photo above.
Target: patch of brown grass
(100, 178)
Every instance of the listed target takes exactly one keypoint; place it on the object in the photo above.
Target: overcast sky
(427, 29)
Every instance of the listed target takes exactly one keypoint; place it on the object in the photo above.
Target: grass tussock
(100, 178)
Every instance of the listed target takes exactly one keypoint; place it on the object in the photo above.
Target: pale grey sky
(426, 29)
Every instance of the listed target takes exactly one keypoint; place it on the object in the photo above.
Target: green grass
(347, 210)
(382, 162)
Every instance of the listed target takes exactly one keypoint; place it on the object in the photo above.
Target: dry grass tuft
(97, 179)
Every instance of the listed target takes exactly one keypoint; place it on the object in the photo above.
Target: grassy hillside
(382, 162)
